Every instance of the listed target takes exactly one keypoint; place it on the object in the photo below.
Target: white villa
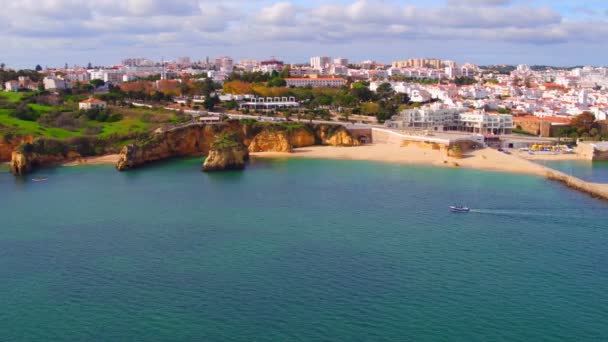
(92, 103)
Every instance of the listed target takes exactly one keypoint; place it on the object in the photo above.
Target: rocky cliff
(8, 144)
(197, 139)
(226, 154)
(270, 141)
(20, 163)
(23, 162)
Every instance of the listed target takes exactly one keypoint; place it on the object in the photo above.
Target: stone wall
(588, 151)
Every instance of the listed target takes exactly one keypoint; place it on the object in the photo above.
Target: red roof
(551, 119)
(313, 79)
(92, 100)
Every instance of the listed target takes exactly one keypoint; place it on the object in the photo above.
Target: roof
(92, 100)
(551, 119)
(314, 79)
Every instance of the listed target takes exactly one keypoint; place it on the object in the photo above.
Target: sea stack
(226, 154)
(20, 163)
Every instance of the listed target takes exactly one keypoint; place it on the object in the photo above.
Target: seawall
(594, 189)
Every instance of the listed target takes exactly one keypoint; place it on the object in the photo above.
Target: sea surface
(596, 172)
(299, 250)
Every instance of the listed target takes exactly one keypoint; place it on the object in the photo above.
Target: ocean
(299, 250)
(596, 172)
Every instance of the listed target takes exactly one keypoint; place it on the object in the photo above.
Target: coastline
(551, 157)
(485, 159)
(108, 159)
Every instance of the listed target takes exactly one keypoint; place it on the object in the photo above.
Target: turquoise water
(299, 250)
(596, 172)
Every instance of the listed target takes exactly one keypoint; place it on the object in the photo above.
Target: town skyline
(558, 33)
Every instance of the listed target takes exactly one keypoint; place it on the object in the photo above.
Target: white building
(315, 82)
(54, 83)
(320, 62)
(341, 62)
(442, 118)
(107, 75)
(224, 64)
(12, 86)
(92, 103)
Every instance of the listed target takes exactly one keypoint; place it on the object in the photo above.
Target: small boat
(459, 209)
(39, 179)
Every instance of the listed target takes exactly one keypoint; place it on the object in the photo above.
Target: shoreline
(484, 159)
(108, 159)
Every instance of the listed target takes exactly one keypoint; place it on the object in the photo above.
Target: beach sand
(486, 159)
(107, 159)
(542, 156)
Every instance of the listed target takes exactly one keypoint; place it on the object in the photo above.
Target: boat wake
(572, 213)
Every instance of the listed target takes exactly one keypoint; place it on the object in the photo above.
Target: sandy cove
(101, 160)
(485, 159)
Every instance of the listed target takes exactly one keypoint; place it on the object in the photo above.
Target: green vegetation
(43, 115)
(225, 141)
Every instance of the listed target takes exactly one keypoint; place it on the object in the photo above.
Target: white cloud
(71, 24)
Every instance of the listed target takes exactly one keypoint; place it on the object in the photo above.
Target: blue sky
(52, 32)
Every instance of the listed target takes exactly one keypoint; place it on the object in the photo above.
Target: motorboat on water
(40, 179)
(459, 209)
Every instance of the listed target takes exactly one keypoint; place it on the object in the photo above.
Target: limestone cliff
(193, 140)
(226, 154)
(8, 144)
(334, 135)
(196, 140)
(20, 163)
(270, 141)
(302, 137)
(23, 161)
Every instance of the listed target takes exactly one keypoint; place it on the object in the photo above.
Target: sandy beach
(486, 159)
(547, 156)
(107, 159)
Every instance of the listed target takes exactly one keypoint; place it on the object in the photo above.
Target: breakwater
(593, 189)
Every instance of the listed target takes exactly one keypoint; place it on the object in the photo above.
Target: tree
(89, 66)
(277, 82)
(370, 108)
(362, 93)
(583, 122)
(385, 90)
(210, 102)
(38, 67)
(97, 83)
(284, 73)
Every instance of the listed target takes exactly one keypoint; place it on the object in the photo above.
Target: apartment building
(441, 118)
(315, 82)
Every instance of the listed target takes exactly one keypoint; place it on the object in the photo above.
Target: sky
(54, 32)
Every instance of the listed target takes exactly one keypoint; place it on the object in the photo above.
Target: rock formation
(8, 144)
(196, 140)
(270, 141)
(20, 163)
(334, 135)
(226, 154)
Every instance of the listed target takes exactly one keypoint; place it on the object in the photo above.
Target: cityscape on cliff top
(345, 170)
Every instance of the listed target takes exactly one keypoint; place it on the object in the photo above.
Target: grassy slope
(131, 123)
(12, 97)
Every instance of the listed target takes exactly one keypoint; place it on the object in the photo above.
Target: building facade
(315, 82)
(438, 118)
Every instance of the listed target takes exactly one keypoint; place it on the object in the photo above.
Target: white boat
(459, 209)
(40, 179)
